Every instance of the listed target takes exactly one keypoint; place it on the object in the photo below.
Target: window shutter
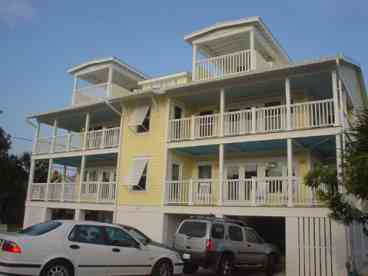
(138, 115)
(135, 172)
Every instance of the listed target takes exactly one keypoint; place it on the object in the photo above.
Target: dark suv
(222, 245)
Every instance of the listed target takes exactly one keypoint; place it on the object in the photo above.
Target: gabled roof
(255, 20)
(114, 60)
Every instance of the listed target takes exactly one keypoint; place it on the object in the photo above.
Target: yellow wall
(150, 144)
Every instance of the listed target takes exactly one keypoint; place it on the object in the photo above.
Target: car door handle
(115, 250)
(74, 246)
(249, 245)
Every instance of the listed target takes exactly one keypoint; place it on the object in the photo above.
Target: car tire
(270, 265)
(225, 266)
(57, 268)
(190, 268)
(163, 268)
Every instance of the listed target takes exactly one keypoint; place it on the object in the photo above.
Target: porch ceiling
(75, 161)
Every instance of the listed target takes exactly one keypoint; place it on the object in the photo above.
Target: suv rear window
(218, 231)
(193, 229)
(41, 228)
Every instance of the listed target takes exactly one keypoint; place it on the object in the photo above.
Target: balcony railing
(263, 191)
(97, 139)
(307, 115)
(92, 192)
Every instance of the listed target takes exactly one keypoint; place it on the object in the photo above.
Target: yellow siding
(150, 144)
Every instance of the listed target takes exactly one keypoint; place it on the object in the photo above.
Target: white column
(222, 111)
(54, 134)
(30, 179)
(81, 176)
(288, 103)
(341, 104)
(339, 161)
(79, 214)
(194, 61)
(252, 50)
(335, 98)
(221, 173)
(36, 137)
(49, 175)
(109, 83)
(86, 129)
(290, 171)
(75, 88)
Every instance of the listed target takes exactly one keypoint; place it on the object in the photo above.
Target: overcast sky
(40, 40)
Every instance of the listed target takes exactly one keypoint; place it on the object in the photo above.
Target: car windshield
(137, 234)
(195, 229)
(41, 228)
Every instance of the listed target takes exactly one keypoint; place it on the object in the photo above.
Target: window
(137, 178)
(194, 229)
(41, 228)
(118, 237)
(140, 119)
(142, 181)
(88, 234)
(175, 172)
(218, 231)
(252, 236)
(137, 234)
(235, 233)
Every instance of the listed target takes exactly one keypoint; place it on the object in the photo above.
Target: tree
(347, 204)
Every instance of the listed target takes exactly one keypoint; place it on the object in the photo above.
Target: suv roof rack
(212, 218)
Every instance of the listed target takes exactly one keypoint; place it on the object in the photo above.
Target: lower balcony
(88, 192)
(265, 191)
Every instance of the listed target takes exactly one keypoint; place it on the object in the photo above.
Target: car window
(41, 228)
(118, 237)
(218, 231)
(194, 229)
(137, 234)
(235, 233)
(252, 236)
(88, 234)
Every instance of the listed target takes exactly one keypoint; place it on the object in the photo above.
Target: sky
(40, 40)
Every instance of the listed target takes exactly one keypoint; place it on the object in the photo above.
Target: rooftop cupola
(234, 47)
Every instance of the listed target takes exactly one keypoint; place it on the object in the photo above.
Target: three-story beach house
(234, 137)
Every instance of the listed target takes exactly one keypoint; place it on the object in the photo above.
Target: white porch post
(222, 112)
(81, 176)
(290, 171)
(36, 137)
(194, 61)
(75, 88)
(86, 128)
(79, 215)
(252, 50)
(49, 175)
(54, 134)
(335, 98)
(109, 83)
(221, 174)
(339, 162)
(288, 103)
(30, 179)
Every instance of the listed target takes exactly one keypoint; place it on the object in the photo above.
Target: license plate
(186, 256)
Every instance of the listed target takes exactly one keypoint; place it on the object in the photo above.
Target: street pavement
(242, 272)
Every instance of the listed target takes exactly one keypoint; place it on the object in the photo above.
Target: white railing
(254, 120)
(91, 94)
(98, 139)
(104, 192)
(220, 66)
(38, 191)
(312, 114)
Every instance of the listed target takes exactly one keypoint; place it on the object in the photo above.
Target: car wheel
(57, 269)
(163, 268)
(190, 268)
(270, 265)
(226, 266)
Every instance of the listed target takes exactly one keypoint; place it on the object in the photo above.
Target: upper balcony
(234, 47)
(101, 80)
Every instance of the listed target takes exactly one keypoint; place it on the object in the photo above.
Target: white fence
(257, 191)
(97, 139)
(103, 192)
(255, 120)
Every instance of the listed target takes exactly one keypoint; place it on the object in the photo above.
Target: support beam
(109, 83)
(339, 161)
(335, 98)
(221, 173)
(222, 111)
(36, 137)
(49, 175)
(288, 103)
(30, 179)
(79, 215)
(75, 88)
(290, 171)
(54, 134)
(86, 129)
(81, 176)
(252, 50)
(194, 61)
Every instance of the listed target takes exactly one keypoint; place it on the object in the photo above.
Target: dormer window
(140, 119)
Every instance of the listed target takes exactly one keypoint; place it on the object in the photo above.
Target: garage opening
(100, 216)
(62, 214)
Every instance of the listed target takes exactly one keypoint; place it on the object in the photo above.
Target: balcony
(264, 191)
(305, 115)
(91, 192)
(98, 139)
